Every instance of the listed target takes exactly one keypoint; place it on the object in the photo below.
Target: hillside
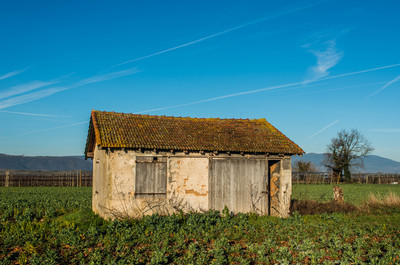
(372, 163)
(45, 162)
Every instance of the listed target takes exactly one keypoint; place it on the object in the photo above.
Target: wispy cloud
(31, 114)
(287, 11)
(323, 129)
(298, 84)
(20, 89)
(29, 97)
(10, 74)
(382, 88)
(327, 56)
(396, 130)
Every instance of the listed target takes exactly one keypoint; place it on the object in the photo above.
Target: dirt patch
(313, 207)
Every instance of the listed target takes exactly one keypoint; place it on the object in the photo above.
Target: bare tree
(346, 150)
(304, 167)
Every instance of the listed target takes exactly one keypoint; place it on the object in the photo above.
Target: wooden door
(238, 183)
(274, 171)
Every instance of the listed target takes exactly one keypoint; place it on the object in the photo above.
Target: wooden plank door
(274, 172)
(238, 183)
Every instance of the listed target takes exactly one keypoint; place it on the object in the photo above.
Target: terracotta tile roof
(121, 130)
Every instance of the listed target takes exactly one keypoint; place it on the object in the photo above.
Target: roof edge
(180, 117)
(90, 142)
(96, 128)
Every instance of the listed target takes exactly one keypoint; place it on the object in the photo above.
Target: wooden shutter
(151, 177)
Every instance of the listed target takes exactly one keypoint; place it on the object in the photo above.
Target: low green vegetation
(56, 226)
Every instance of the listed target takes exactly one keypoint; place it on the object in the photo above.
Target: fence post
(7, 182)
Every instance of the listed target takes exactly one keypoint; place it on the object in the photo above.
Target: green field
(352, 193)
(56, 226)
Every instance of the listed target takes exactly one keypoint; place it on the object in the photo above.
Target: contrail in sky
(25, 98)
(382, 88)
(300, 84)
(224, 96)
(24, 88)
(385, 130)
(45, 130)
(285, 12)
(323, 129)
(10, 74)
(358, 72)
(336, 89)
(31, 114)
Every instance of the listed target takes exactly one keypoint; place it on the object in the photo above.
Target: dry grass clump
(305, 207)
(385, 204)
(374, 203)
(390, 201)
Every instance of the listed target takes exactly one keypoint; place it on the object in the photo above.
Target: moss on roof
(122, 130)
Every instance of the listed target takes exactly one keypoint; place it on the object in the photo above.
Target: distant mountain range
(372, 163)
(45, 162)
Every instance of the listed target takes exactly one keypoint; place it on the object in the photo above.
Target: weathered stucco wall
(122, 182)
(188, 181)
(285, 191)
(113, 182)
(188, 186)
(101, 186)
(114, 185)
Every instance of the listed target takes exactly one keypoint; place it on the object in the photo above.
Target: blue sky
(311, 68)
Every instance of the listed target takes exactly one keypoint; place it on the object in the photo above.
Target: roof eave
(92, 141)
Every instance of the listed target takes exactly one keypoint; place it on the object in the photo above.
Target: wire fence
(29, 178)
(328, 178)
(79, 178)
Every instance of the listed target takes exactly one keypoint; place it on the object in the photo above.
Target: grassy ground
(56, 226)
(353, 193)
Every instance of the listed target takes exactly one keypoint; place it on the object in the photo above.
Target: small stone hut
(144, 164)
